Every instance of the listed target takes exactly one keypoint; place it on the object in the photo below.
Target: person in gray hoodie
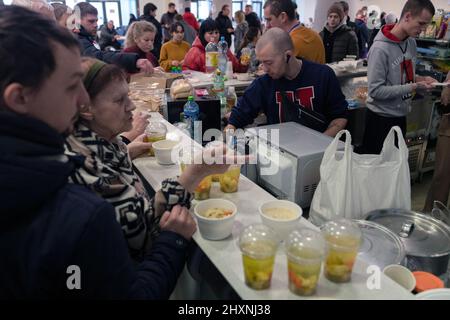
(391, 74)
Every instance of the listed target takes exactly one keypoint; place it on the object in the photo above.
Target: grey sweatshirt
(391, 72)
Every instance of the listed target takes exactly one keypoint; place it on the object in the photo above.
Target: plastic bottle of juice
(211, 57)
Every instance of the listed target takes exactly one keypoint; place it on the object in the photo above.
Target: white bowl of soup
(165, 151)
(215, 218)
(281, 215)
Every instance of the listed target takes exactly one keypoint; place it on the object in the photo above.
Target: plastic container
(426, 281)
(231, 98)
(343, 238)
(193, 155)
(191, 112)
(229, 181)
(211, 57)
(281, 215)
(212, 227)
(258, 245)
(223, 59)
(155, 131)
(305, 250)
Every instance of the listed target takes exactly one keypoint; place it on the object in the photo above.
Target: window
(257, 8)
(237, 5)
(201, 9)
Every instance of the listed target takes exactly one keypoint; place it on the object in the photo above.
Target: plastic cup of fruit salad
(305, 251)
(258, 244)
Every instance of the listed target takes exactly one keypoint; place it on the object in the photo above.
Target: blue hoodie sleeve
(336, 105)
(249, 105)
(107, 271)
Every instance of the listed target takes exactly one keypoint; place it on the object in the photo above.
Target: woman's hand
(179, 221)
(138, 147)
(214, 161)
(140, 122)
(144, 66)
(175, 63)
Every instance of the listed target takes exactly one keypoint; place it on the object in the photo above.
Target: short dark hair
(86, 8)
(187, 9)
(149, 7)
(224, 6)
(345, 5)
(27, 57)
(207, 26)
(174, 26)
(249, 5)
(171, 4)
(279, 6)
(415, 7)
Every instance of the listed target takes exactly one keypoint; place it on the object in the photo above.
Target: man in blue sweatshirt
(59, 240)
(292, 90)
(391, 74)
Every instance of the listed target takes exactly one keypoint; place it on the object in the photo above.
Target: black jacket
(90, 48)
(253, 20)
(224, 22)
(107, 38)
(157, 44)
(49, 228)
(339, 44)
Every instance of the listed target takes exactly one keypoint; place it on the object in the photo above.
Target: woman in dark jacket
(339, 40)
(225, 25)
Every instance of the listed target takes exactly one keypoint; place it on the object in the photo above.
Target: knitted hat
(336, 8)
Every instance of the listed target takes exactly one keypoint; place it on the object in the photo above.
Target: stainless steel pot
(426, 240)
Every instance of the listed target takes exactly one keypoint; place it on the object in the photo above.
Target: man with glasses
(391, 74)
(307, 43)
(86, 36)
(292, 90)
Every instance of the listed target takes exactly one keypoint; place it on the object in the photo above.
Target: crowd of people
(66, 123)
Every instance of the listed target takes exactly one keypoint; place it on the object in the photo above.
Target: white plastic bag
(351, 185)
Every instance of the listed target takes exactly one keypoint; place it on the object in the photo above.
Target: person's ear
(86, 112)
(16, 98)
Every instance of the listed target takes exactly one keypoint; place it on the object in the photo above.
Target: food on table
(229, 181)
(340, 258)
(303, 270)
(203, 188)
(258, 266)
(280, 213)
(217, 213)
(216, 177)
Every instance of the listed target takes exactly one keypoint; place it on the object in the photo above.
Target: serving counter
(226, 256)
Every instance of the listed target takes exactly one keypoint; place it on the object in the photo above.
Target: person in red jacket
(195, 58)
(189, 17)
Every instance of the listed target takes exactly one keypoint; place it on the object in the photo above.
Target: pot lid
(422, 235)
(379, 245)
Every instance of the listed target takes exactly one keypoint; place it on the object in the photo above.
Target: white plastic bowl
(401, 275)
(165, 151)
(282, 227)
(215, 229)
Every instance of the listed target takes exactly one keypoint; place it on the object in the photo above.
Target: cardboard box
(157, 80)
